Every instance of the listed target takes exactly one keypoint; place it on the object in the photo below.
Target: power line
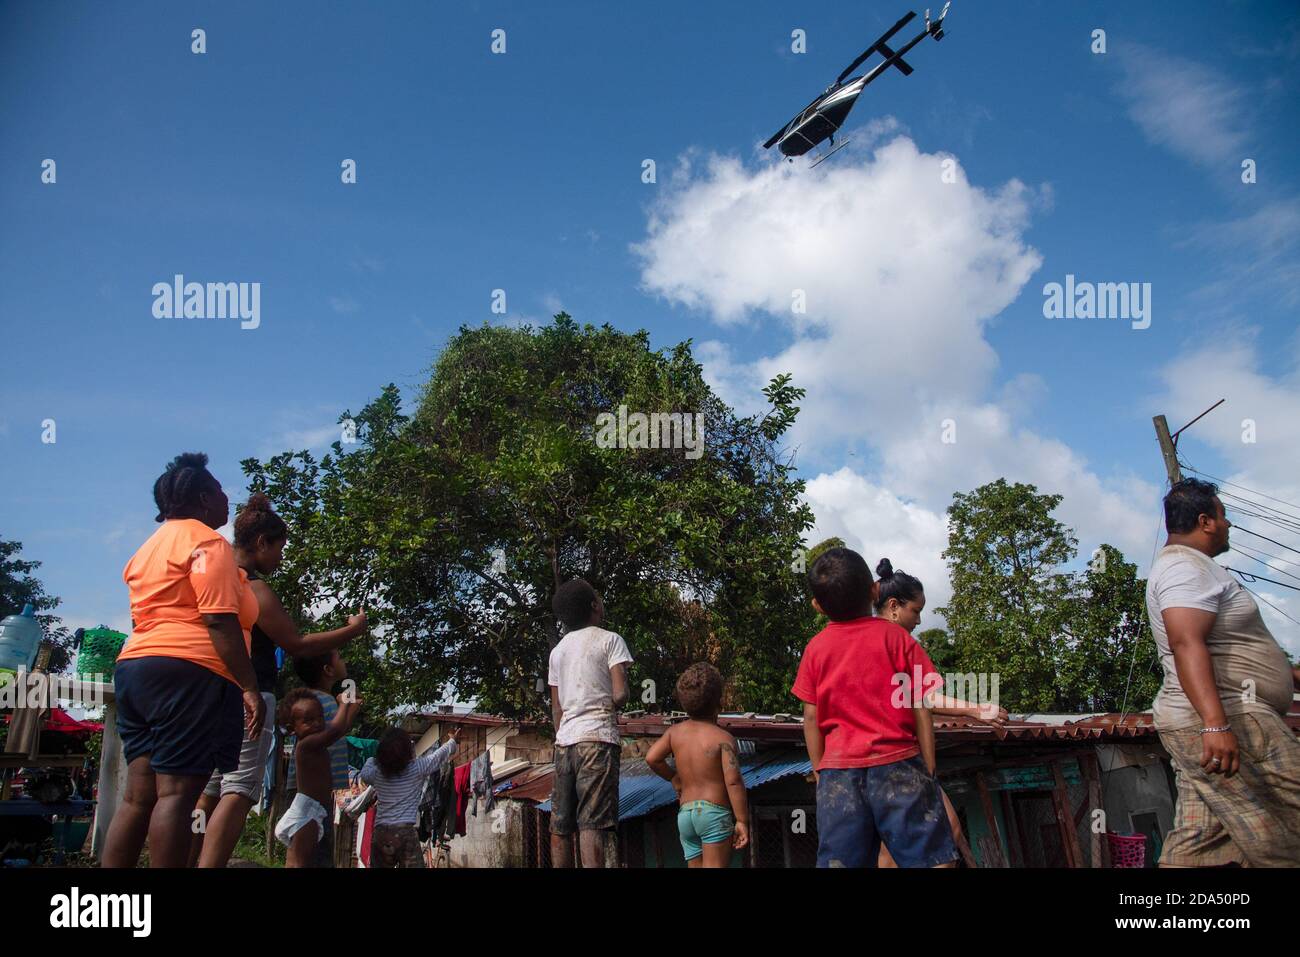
(1271, 605)
(1265, 564)
(1242, 487)
(1267, 539)
(1268, 510)
(1250, 576)
(1287, 526)
(1255, 553)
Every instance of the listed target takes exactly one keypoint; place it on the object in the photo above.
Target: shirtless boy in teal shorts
(714, 816)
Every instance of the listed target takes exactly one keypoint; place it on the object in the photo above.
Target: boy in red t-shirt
(859, 721)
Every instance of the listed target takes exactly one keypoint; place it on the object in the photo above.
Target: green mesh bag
(98, 654)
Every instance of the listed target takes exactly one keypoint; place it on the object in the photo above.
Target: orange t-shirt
(184, 571)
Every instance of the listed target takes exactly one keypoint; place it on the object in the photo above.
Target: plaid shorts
(1251, 818)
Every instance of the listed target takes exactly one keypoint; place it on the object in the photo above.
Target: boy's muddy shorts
(899, 803)
(585, 794)
(1251, 818)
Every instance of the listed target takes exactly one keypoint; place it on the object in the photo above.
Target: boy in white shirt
(588, 679)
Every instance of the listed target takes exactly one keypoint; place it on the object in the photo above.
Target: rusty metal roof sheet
(1099, 727)
(1107, 727)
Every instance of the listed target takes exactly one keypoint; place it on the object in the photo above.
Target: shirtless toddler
(714, 816)
(303, 825)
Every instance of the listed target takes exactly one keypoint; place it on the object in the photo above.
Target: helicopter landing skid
(823, 159)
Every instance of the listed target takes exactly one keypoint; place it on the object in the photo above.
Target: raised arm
(369, 771)
(279, 627)
(988, 712)
(341, 725)
(434, 759)
(736, 791)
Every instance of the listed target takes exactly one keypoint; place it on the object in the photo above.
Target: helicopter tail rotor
(935, 28)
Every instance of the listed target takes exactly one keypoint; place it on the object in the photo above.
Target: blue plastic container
(20, 640)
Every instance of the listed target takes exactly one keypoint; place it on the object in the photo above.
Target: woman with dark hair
(901, 599)
(260, 537)
(398, 777)
(185, 689)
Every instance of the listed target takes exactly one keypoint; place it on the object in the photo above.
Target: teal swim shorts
(703, 822)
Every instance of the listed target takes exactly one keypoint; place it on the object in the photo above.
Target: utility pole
(1169, 443)
(1167, 449)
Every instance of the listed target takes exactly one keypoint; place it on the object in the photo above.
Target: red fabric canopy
(59, 720)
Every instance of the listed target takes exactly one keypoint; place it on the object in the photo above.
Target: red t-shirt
(864, 711)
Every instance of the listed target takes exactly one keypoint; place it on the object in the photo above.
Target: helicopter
(822, 118)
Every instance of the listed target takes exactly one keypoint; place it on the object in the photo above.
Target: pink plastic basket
(1127, 850)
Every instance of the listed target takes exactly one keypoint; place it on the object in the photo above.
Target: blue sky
(522, 172)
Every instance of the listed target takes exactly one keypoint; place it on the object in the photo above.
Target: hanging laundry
(438, 805)
(462, 796)
(480, 783)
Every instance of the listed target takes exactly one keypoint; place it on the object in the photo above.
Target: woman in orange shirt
(185, 690)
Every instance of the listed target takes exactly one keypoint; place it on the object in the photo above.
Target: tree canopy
(1059, 641)
(454, 524)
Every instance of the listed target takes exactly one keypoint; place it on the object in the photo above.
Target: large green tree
(1111, 659)
(1058, 641)
(455, 525)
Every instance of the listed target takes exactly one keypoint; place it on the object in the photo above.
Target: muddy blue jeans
(898, 803)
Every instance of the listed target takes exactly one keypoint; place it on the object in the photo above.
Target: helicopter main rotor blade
(876, 46)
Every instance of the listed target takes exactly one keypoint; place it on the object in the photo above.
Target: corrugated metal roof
(641, 791)
(768, 766)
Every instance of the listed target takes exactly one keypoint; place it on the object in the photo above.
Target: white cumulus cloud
(901, 273)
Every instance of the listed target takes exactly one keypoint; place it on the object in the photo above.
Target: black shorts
(189, 720)
(585, 793)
